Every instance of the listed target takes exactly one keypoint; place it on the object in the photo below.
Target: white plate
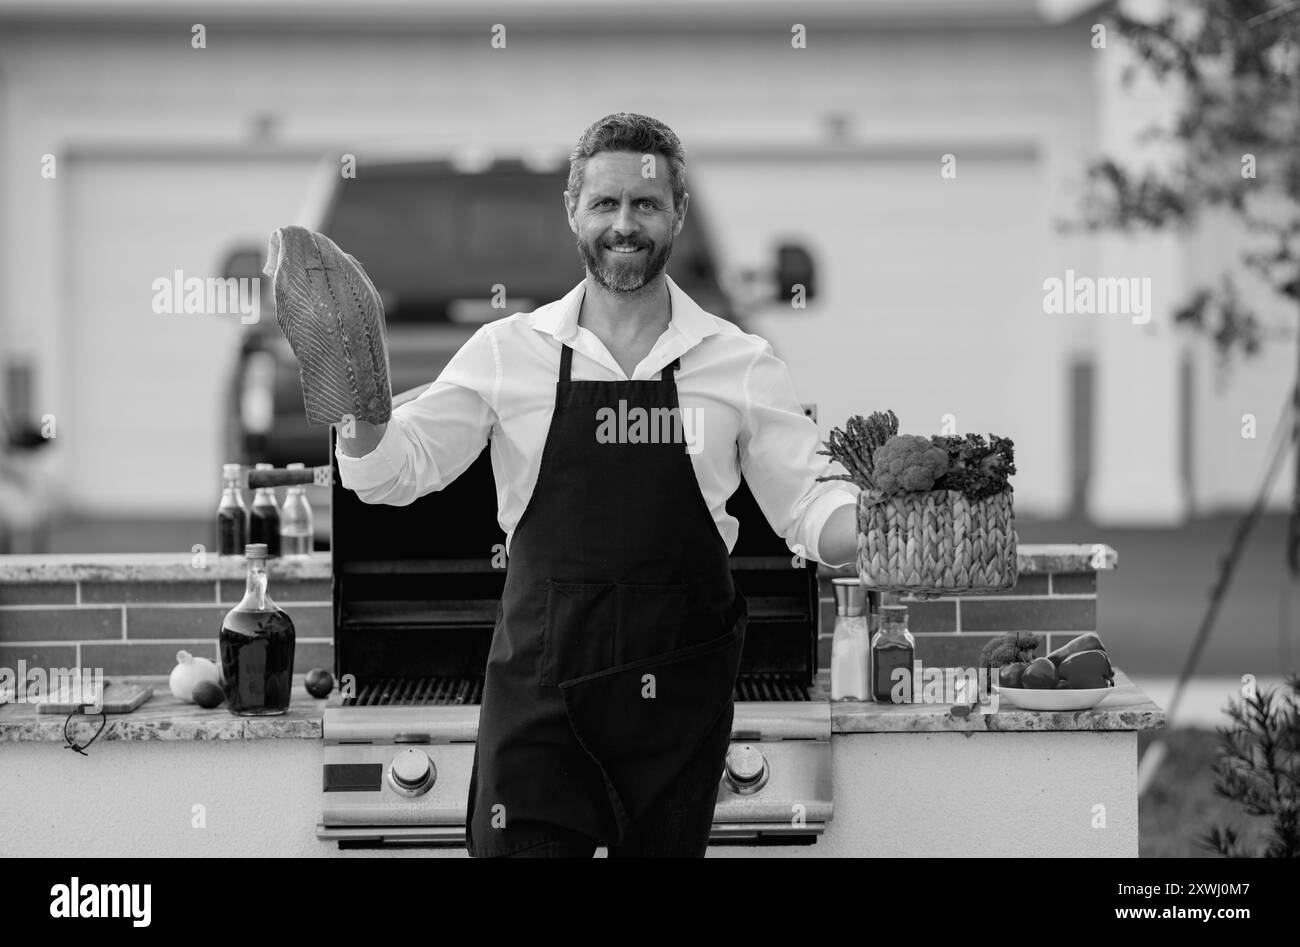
(1031, 698)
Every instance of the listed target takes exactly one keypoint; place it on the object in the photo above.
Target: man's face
(618, 208)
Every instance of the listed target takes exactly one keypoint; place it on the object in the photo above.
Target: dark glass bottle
(232, 515)
(264, 518)
(257, 643)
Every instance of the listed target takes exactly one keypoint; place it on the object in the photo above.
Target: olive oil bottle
(257, 645)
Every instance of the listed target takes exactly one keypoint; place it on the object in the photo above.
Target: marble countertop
(182, 566)
(1127, 708)
(152, 567)
(164, 718)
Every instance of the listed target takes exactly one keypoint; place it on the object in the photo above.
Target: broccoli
(1008, 649)
(908, 462)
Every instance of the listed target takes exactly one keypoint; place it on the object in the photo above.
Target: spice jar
(892, 649)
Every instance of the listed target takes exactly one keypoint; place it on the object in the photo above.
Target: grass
(1180, 805)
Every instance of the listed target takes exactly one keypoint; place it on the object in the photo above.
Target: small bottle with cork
(264, 518)
(232, 514)
(297, 531)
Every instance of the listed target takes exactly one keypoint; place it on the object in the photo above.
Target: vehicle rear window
(427, 235)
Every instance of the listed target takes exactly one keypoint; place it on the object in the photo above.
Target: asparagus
(853, 447)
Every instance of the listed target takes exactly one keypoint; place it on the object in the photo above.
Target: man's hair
(640, 134)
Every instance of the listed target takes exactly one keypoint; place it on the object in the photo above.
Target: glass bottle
(257, 643)
(264, 518)
(892, 648)
(232, 515)
(297, 534)
(851, 645)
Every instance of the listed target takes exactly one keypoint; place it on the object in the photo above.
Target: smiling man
(607, 706)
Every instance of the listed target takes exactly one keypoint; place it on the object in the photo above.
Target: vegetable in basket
(908, 462)
(878, 458)
(976, 468)
(853, 447)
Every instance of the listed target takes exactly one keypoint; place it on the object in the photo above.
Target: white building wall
(1013, 104)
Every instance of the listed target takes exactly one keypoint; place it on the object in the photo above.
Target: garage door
(146, 389)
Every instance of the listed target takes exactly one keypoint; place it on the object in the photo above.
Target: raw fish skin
(331, 313)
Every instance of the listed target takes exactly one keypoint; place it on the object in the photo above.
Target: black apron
(616, 649)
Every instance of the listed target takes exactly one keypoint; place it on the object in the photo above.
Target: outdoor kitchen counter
(174, 780)
(909, 780)
(164, 718)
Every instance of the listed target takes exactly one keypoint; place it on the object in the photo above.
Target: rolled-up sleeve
(433, 439)
(778, 456)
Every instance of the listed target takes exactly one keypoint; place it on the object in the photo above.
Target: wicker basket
(936, 542)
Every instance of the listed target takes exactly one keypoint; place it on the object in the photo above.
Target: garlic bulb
(188, 673)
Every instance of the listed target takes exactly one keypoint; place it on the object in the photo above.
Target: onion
(189, 673)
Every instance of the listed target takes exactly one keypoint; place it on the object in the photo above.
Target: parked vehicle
(436, 235)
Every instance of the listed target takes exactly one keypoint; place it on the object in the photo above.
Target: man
(621, 418)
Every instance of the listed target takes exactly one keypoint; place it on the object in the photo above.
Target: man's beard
(627, 276)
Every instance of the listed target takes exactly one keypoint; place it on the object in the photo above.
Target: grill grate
(451, 691)
(771, 686)
(418, 691)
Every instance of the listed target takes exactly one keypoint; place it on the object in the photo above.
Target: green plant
(1259, 768)
(975, 467)
(1234, 66)
(854, 447)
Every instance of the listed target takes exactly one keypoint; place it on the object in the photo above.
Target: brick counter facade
(130, 614)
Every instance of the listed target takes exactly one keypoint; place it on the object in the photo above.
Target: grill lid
(417, 590)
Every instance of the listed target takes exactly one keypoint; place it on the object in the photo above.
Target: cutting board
(118, 699)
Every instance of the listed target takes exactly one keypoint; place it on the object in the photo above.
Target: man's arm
(430, 439)
(778, 456)
(838, 544)
(367, 436)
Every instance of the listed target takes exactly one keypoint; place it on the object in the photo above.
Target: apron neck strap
(566, 365)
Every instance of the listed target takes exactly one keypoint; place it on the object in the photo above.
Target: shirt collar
(689, 321)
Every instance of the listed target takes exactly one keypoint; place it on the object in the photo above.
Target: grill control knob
(412, 772)
(746, 769)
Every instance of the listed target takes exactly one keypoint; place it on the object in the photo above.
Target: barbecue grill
(416, 594)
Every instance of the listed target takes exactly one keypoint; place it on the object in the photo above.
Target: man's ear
(570, 206)
(681, 218)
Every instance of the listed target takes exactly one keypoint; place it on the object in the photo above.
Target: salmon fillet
(330, 312)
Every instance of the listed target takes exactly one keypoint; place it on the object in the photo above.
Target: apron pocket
(653, 620)
(593, 627)
(578, 635)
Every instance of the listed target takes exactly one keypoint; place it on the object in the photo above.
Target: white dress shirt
(501, 385)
